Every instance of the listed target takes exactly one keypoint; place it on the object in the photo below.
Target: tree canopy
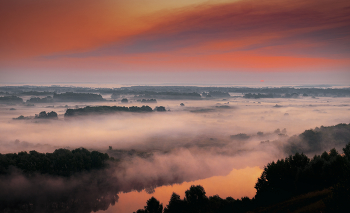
(105, 109)
(62, 162)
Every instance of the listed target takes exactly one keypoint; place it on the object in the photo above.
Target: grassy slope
(311, 202)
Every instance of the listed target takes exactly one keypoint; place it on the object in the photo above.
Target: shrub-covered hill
(62, 162)
(294, 184)
(319, 139)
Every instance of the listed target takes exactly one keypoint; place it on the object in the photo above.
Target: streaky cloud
(324, 24)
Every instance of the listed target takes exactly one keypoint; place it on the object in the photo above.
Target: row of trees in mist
(62, 162)
(11, 99)
(67, 97)
(280, 180)
(49, 90)
(88, 110)
(188, 95)
(12, 94)
(62, 97)
(273, 95)
(105, 109)
(41, 115)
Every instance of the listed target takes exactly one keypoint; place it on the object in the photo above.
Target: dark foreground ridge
(105, 109)
(324, 181)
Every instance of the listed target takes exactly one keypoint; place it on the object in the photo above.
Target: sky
(175, 41)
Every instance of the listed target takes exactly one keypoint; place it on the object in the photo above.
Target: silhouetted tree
(340, 198)
(153, 206)
(196, 199)
(346, 151)
(44, 115)
(52, 114)
(176, 205)
(160, 109)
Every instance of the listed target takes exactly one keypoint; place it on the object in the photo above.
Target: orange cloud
(248, 35)
(39, 27)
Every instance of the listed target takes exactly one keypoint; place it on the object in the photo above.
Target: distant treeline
(47, 99)
(91, 110)
(259, 95)
(280, 180)
(165, 95)
(307, 90)
(215, 94)
(317, 90)
(83, 94)
(273, 95)
(62, 162)
(70, 96)
(11, 99)
(105, 109)
(147, 100)
(41, 115)
(62, 97)
(67, 97)
(37, 93)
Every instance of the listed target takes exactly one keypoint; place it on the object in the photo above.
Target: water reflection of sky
(238, 183)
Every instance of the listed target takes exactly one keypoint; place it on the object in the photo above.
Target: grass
(311, 202)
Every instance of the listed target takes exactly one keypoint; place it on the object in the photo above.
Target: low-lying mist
(179, 125)
(201, 139)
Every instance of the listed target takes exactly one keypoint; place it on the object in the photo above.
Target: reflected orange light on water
(238, 183)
